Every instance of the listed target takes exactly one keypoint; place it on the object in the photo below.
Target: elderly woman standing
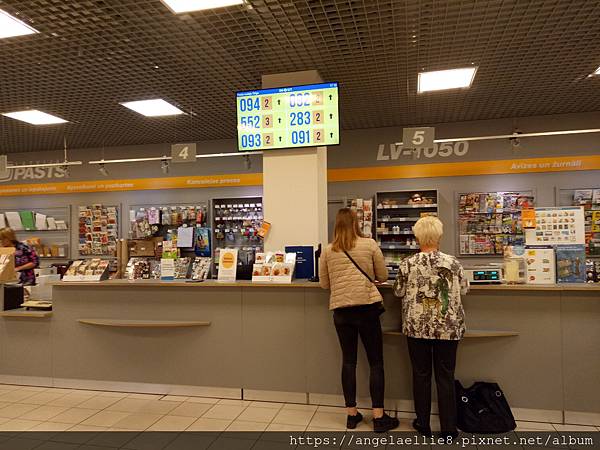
(431, 284)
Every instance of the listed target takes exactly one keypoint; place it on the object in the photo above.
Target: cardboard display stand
(7, 265)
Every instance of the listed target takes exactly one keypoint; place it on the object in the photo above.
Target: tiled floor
(24, 408)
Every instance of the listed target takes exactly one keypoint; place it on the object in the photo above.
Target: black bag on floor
(483, 408)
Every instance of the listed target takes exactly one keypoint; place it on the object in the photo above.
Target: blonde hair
(7, 234)
(428, 231)
(345, 231)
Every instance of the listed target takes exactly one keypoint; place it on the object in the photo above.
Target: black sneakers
(353, 421)
(425, 431)
(385, 423)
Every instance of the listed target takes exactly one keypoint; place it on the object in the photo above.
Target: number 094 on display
(298, 116)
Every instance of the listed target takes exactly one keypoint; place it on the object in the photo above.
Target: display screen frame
(277, 90)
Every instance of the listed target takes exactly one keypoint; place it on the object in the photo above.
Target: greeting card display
(98, 230)
(87, 270)
(274, 267)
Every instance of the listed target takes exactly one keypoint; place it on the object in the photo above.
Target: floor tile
(534, 426)
(324, 429)
(293, 417)
(16, 396)
(49, 445)
(159, 407)
(204, 424)
(74, 415)
(253, 414)
(329, 420)
(52, 426)
(224, 412)
(231, 402)
(207, 400)
(70, 400)
(113, 440)
(229, 442)
(43, 398)
(18, 443)
(19, 425)
(146, 396)
(174, 398)
(105, 418)
(285, 427)
(44, 413)
(297, 407)
(583, 428)
(12, 411)
(332, 409)
(242, 425)
(98, 402)
(137, 421)
(87, 428)
(113, 394)
(128, 405)
(266, 405)
(35, 388)
(190, 410)
(172, 423)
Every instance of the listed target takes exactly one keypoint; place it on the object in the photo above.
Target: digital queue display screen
(288, 117)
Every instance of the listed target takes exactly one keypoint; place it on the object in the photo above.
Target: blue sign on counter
(305, 260)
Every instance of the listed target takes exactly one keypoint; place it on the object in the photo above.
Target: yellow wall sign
(138, 184)
(453, 169)
(457, 169)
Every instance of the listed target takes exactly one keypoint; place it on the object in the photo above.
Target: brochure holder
(7, 265)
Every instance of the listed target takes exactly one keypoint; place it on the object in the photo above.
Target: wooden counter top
(309, 285)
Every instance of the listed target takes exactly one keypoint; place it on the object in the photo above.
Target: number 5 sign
(418, 137)
(182, 153)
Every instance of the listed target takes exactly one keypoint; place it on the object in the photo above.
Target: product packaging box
(570, 264)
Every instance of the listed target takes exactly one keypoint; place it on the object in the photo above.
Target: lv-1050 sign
(299, 116)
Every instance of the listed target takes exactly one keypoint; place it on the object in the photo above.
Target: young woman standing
(349, 267)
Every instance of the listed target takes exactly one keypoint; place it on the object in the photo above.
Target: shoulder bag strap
(358, 267)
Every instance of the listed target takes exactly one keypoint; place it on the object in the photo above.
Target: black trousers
(443, 354)
(350, 323)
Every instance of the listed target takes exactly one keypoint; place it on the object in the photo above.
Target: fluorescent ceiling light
(446, 79)
(35, 117)
(153, 108)
(183, 6)
(11, 26)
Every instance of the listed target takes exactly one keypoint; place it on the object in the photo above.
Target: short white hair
(428, 231)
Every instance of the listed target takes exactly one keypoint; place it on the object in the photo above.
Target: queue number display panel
(289, 117)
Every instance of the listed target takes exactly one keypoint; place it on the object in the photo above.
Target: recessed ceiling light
(153, 108)
(446, 79)
(35, 117)
(183, 6)
(11, 26)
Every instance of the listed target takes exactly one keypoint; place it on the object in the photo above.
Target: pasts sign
(32, 173)
(394, 152)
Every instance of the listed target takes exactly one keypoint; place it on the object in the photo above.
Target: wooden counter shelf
(469, 333)
(22, 313)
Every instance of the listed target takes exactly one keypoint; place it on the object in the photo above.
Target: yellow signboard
(454, 169)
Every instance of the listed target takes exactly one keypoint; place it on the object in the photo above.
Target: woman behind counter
(430, 284)
(357, 304)
(26, 259)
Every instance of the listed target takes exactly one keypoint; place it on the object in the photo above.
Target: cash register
(484, 274)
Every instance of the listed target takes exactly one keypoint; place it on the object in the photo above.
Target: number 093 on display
(300, 116)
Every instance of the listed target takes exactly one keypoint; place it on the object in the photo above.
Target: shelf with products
(589, 198)
(46, 230)
(396, 213)
(490, 221)
(235, 223)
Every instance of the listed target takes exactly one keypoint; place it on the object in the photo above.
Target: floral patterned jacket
(24, 255)
(431, 285)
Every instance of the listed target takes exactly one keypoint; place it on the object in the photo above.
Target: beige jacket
(349, 287)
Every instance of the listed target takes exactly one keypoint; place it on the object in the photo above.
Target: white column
(295, 184)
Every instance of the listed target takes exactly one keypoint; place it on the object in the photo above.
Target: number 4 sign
(182, 153)
(418, 137)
